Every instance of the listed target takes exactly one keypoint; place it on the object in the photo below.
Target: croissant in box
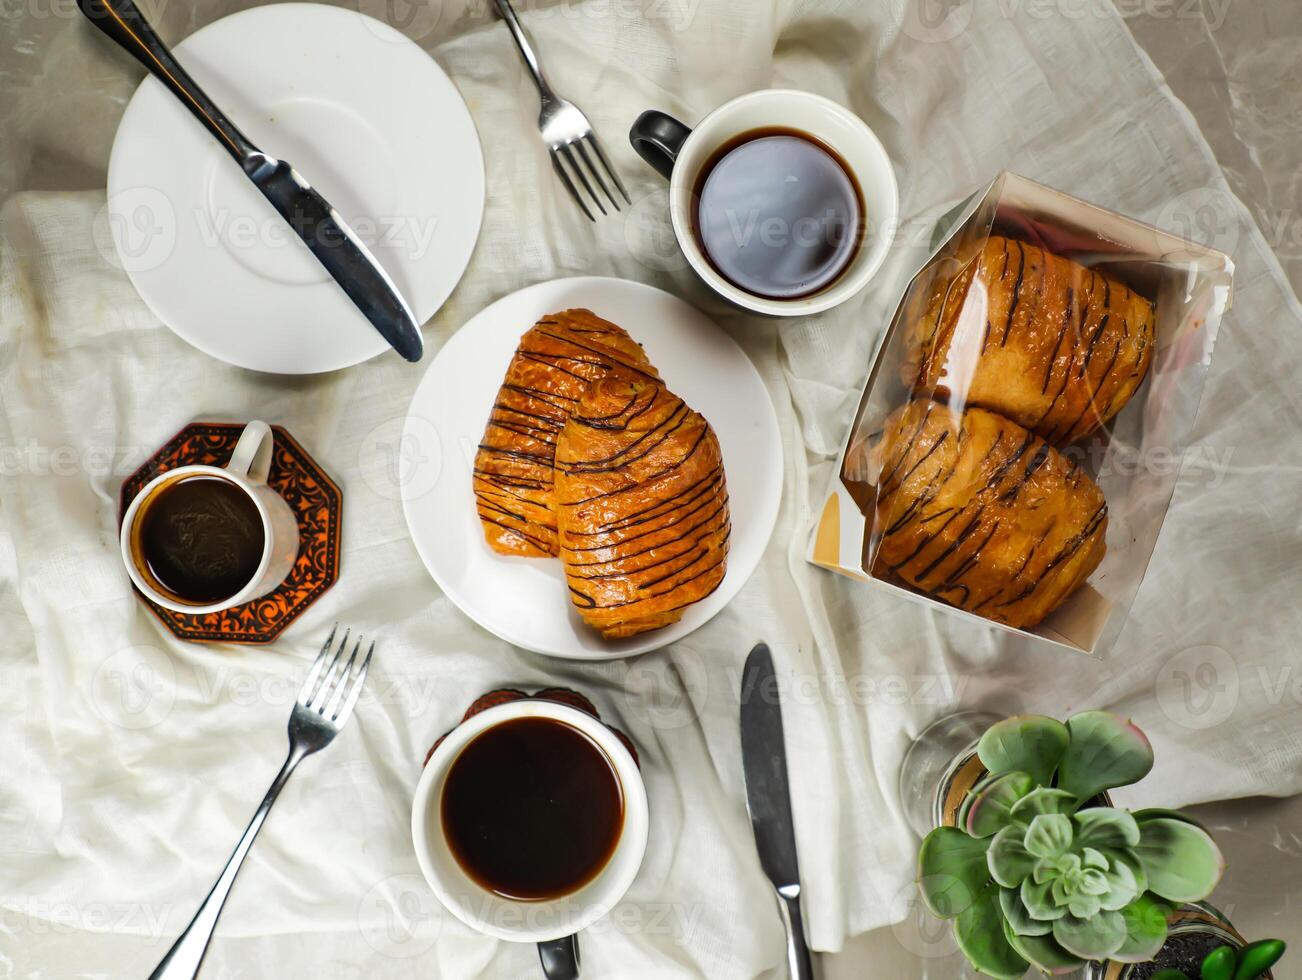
(977, 511)
(1035, 337)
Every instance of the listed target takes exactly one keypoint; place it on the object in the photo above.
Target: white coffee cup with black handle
(552, 922)
(754, 221)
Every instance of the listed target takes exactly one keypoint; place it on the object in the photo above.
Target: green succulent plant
(1038, 873)
(1251, 962)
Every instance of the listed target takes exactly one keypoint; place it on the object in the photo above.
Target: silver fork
(566, 131)
(322, 708)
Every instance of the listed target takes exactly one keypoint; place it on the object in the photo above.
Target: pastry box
(1021, 429)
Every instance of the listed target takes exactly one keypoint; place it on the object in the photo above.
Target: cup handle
(560, 958)
(658, 137)
(252, 455)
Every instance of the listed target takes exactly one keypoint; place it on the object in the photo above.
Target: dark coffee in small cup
(199, 539)
(783, 202)
(532, 809)
(778, 213)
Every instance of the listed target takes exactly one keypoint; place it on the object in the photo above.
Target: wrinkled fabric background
(131, 761)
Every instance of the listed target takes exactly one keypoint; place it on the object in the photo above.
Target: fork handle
(526, 49)
(183, 959)
(123, 22)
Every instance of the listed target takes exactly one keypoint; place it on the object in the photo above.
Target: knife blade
(768, 798)
(339, 250)
(323, 231)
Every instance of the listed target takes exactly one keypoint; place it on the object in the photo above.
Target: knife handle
(798, 958)
(123, 22)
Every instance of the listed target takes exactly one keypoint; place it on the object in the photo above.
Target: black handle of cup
(560, 958)
(657, 137)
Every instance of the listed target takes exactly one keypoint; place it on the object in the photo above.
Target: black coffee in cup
(778, 214)
(532, 809)
(200, 539)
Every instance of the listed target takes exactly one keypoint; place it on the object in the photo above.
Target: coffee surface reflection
(778, 214)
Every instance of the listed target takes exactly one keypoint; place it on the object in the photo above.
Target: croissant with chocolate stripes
(642, 507)
(1039, 339)
(553, 367)
(977, 511)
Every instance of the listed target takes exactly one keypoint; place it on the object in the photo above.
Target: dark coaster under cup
(317, 504)
(561, 695)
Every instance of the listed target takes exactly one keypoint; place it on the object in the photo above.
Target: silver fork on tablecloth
(322, 708)
(566, 131)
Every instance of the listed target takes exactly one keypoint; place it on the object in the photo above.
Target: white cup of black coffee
(530, 822)
(200, 539)
(784, 202)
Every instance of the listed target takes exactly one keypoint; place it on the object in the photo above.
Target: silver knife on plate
(310, 215)
(768, 798)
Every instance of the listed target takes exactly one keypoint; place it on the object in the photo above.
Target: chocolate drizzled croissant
(642, 507)
(555, 363)
(1035, 337)
(979, 512)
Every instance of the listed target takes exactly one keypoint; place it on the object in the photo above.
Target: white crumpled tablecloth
(131, 761)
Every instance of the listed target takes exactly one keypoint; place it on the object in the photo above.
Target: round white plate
(524, 600)
(365, 115)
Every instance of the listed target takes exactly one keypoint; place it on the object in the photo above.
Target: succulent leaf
(1015, 914)
(972, 794)
(1146, 928)
(1182, 862)
(1044, 953)
(1031, 744)
(1219, 964)
(1009, 860)
(1256, 958)
(1042, 799)
(952, 871)
(1078, 904)
(1104, 827)
(1094, 938)
(989, 812)
(1125, 879)
(1104, 751)
(1092, 881)
(1038, 899)
(1091, 858)
(980, 933)
(1049, 835)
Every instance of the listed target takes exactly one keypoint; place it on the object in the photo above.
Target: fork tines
(571, 157)
(329, 690)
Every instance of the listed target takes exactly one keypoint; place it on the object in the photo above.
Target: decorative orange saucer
(562, 695)
(310, 493)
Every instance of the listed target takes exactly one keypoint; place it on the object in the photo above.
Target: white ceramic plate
(365, 115)
(524, 600)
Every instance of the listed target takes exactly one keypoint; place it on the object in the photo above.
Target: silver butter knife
(768, 798)
(324, 232)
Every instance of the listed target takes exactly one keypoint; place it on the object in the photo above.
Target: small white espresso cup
(541, 922)
(249, 465)
(680, 154)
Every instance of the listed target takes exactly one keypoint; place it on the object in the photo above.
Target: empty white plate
(365, 115)
(525, 600)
